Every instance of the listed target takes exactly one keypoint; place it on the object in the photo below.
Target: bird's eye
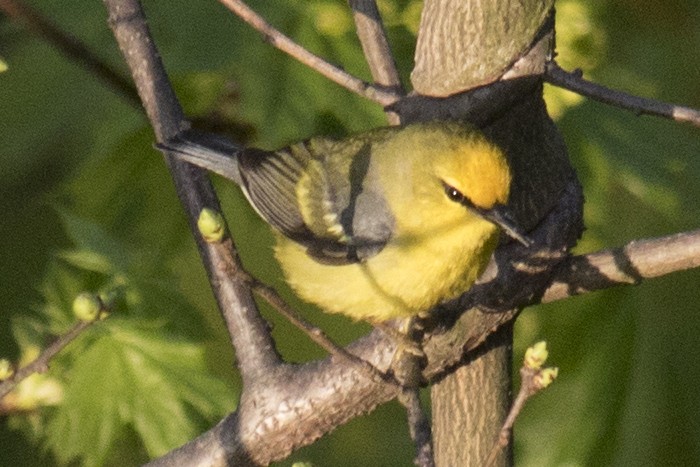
(454, 194)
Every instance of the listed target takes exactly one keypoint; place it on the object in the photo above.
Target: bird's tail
(209, 151)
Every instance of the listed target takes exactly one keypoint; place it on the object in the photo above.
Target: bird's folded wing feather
(315, 193)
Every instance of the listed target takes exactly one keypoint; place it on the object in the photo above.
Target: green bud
(303, 464)
(211, 225)
(87, 306)
(546, 377)
(536, 355)
(7, 369)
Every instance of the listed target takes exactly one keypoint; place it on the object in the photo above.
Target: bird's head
(473, 169)
(475, 175)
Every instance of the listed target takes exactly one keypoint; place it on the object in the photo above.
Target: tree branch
(533, 379)
(627, 265)
(315, 333)
(375, 46)
(418, 427)
(287, 45)
(639, 105)
(370, 31)
(248, 331)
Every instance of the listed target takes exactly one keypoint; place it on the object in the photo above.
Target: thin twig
(41, 363)
(533, 379)
(418, 426)
(315, 333)
(287, 45)
(574, 82)
(375, 46)
(504, 435)
(72, 47)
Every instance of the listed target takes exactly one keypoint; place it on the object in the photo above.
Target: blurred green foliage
(87, 204)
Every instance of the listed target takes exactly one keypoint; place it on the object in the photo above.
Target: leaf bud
(546, 377)
(87, 306)
(211, 225)
(536, 355)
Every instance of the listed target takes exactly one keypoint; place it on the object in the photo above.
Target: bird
(379, 225)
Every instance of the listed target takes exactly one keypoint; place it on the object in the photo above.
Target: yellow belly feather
(407, 277)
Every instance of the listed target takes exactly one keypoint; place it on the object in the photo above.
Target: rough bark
(461, 428)
(462, 45)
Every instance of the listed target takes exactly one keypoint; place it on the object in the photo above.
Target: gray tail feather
(209, 151)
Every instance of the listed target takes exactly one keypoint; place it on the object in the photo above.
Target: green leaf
(140, 375)
(137, 379)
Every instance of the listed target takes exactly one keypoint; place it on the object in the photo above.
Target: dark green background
(84, 199)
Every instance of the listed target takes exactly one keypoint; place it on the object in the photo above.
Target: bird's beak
(500, 216)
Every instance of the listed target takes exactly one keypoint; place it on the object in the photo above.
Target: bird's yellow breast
(409, 276)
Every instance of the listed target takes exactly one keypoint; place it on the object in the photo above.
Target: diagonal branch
(375, 44)
(640, 105)
(315, 333)
(248, 331)
(287, 45)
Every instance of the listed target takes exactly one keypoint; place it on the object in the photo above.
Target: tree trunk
(470, 405)
(462, 45)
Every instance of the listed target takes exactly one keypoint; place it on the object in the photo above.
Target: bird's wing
(319, 194)
(269, 182)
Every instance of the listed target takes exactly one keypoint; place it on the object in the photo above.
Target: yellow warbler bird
(380, 225)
